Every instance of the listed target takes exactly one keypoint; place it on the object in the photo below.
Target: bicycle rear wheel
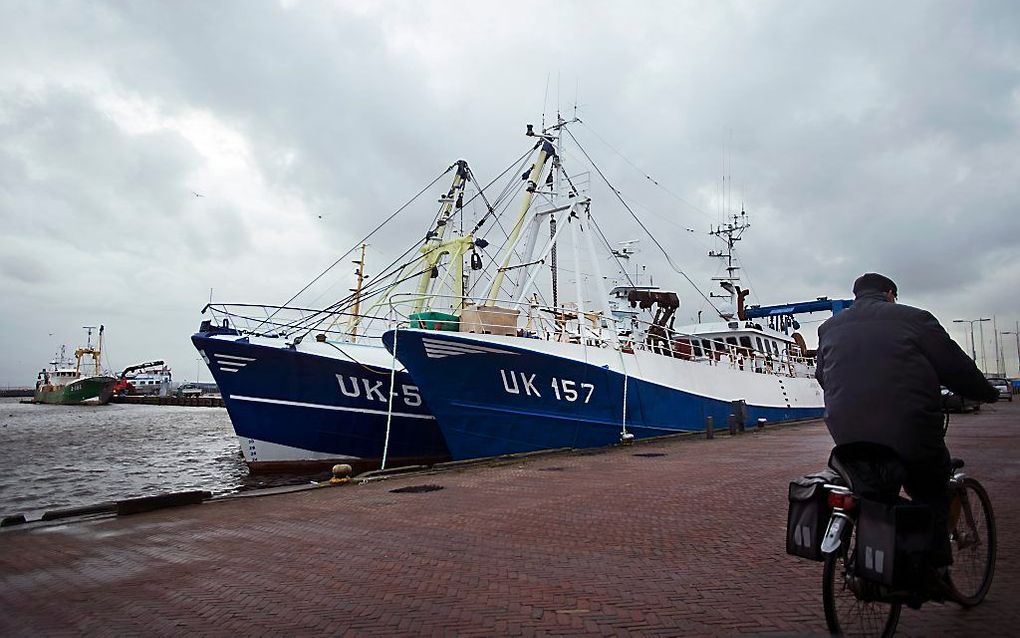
(849, 609)
(973, 540)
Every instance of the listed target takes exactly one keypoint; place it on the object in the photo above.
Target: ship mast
(436, 245)
(729, 232)
(353, 324)
(533, 178)
(89, 350)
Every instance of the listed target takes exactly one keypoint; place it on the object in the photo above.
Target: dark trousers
(928, 483)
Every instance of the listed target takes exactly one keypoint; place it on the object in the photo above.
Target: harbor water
(54, 457)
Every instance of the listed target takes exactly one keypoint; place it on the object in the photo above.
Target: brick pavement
(607, 543)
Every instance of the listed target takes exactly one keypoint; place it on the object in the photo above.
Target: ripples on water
(53, 456)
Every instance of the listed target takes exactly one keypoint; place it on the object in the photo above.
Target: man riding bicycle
(881, 366)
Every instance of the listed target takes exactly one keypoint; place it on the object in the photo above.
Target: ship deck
(683, 536)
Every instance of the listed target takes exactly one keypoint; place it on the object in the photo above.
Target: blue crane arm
(834, 305)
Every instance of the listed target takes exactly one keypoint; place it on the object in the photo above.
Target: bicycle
(856, 604)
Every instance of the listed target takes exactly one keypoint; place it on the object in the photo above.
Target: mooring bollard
(709, 427)
(761, 423)
(739, 408)
(732, 422)
(341, 474)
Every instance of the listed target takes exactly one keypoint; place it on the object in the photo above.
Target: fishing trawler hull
(85, 391)
(496, 395)
(294, 409)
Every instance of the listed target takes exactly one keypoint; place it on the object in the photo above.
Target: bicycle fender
(834, 534)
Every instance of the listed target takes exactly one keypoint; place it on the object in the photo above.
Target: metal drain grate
(649, 455)
(415, 489)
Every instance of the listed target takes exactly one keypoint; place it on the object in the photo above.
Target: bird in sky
(197, 194)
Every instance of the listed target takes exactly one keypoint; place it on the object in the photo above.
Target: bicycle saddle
(869, 469)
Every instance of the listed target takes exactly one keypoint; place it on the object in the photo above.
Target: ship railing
(276, 321)
(541, 321)
(691, 347)
(295, 324)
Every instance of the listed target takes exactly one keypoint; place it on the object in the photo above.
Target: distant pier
(191, 401)
(17, 392)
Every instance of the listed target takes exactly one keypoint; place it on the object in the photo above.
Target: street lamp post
(981, 335)
(1016, 333)
(973, 350)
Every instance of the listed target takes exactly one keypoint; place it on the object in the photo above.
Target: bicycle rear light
(843, 501)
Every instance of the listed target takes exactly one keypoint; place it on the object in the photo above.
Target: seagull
(197, 194)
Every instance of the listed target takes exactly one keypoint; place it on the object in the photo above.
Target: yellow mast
(357, 293)
(533, 179)
(436, 247)
(89, 350)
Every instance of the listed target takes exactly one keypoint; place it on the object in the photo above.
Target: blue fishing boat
(519, 375)
(311, 405)
(306, 388)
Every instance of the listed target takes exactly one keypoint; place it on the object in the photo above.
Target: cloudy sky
(858, 136)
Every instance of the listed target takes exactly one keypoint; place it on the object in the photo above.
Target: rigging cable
(519, 162)
(655, 241)
(643, 173)
(387, 272)
(384, 222)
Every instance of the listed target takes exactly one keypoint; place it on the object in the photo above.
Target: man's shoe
(938, 585)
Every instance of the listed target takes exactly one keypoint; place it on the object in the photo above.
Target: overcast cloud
(859, 136)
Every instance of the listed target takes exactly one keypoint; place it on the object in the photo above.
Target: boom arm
(148, 364)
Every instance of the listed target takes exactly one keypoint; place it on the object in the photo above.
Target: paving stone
(689, 543)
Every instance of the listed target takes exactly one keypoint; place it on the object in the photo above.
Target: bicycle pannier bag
(893, 542)
(808, 516)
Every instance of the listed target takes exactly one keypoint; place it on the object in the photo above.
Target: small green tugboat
(67, 385)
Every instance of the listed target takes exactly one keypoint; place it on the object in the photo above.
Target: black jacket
(881, 365)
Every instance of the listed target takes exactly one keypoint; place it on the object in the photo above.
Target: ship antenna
(545, 99)
(577, 90)
(729, 232)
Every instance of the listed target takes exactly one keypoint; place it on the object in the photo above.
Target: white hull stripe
(439, 349)
(231, 363)
(319, 406)
(230, 356)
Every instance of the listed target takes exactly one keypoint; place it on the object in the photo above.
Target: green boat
(65, 384)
